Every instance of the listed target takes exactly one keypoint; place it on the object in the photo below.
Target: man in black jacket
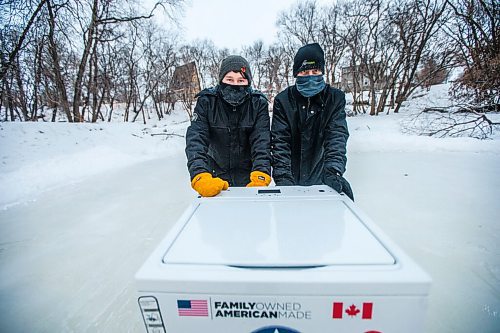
(228, 142)
(309, 129)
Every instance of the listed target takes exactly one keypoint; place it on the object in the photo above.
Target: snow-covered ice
(68, 258)
(39, 156)
(82, 206)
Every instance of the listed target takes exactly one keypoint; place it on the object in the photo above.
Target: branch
(111, 20)
(7, 65)
(167, 134)
(464, 121)
(436, 109)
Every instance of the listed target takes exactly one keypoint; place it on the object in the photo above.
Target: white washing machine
(278, 260)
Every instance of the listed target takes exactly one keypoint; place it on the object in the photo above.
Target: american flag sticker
(192, 308)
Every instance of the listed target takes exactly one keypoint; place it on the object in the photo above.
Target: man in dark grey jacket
(309, 129)
(228, 142)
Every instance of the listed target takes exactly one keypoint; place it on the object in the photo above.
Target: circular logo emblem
(275, 329)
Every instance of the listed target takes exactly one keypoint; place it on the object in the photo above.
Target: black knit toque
(235, 63)
(310, 56)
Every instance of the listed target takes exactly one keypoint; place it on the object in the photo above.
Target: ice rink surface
(68, 258)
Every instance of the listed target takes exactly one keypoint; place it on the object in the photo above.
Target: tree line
(79, 58)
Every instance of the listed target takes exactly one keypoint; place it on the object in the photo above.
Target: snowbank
(36, 157)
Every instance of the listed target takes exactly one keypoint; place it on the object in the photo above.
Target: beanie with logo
(235, 63)
(310, 56)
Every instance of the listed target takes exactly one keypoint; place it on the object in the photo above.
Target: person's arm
(336, 135)
(197, 139)
(260, 139)
(281, 146)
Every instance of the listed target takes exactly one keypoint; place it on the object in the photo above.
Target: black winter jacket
(308, 136)
(229, 142)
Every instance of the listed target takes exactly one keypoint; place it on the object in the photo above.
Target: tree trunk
(93, 85)
(111, 106)
(61, 88)
(22, 96)
(54, 114)
(83, 62)
(10, 102)
(37, 81)
(373, 98)
(382, 100)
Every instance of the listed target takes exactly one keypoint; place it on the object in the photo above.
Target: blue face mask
(310, 85)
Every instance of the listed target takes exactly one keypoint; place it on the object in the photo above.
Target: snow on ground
(39, 156)
(36, 157)
(83, 206)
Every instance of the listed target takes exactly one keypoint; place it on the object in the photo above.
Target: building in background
(359, 77)
(184, 86)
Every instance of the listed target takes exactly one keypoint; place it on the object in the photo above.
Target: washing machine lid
(276, 233)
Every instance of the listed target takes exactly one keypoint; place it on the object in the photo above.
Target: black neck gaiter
(234, 95)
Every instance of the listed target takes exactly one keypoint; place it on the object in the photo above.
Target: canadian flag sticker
(339, 311)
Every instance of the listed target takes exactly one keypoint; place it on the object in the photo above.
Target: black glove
(338, 183)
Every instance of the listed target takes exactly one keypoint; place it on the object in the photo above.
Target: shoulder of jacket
(258, 95)
(284, 94)
(212, 91)
(337, 92)
(285, 91)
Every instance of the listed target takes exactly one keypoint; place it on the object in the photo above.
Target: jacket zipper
(230, 147)
(229, 128)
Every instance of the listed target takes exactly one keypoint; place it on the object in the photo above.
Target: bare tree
(431, 73)
(353, 33)
(289, 47)
(366, 43)
(424, 21)
(388, 42)
(202, 53)
(256, 56)
(475, 29)
(331, 39)
(275, 70)
(55, 57)
(56, 65)
(8, 62)
(158, 62)
(215, 58)
(301, 21)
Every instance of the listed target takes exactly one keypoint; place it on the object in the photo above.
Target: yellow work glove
(207, 186)
(258, 178)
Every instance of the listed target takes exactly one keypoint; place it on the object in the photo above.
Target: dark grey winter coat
(229, 142)
(308, 136)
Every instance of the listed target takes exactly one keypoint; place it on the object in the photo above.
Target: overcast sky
(234, 23)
